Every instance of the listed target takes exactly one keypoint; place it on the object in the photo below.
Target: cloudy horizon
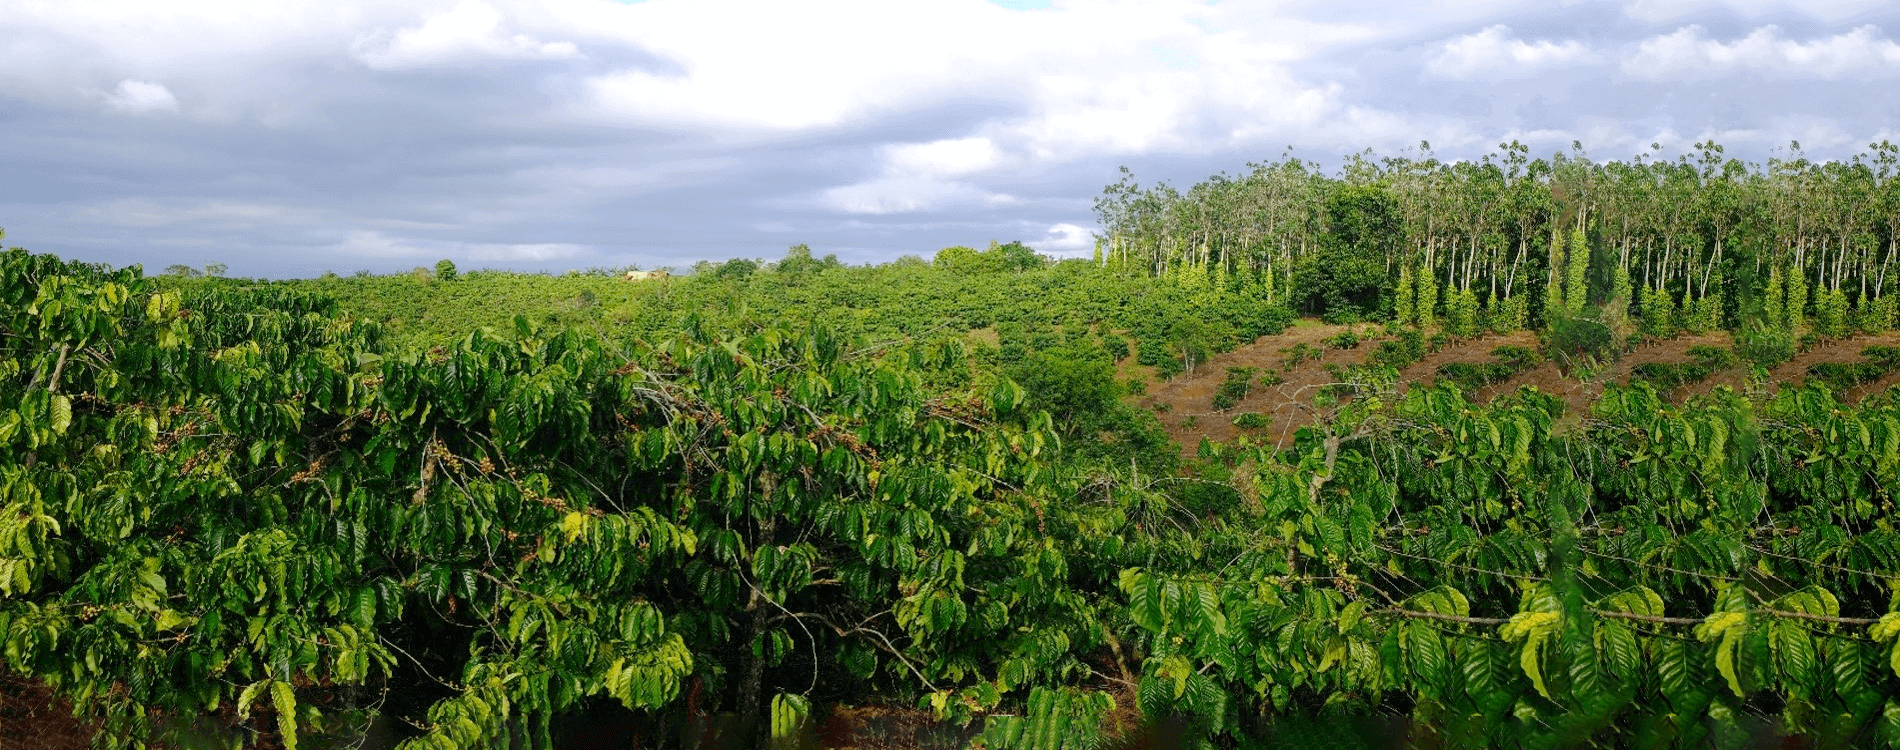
(294, 138)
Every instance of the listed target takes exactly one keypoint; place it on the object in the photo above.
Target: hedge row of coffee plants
(237, 503)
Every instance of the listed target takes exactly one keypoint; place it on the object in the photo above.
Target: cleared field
(1185, 402)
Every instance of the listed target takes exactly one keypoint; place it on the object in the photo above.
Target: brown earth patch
(1860, 393)
(1290, 404)
(32, 718)
(1676, 351)
(1670, 351)
(1425, 371)
(1795, 371)
(1188, 399)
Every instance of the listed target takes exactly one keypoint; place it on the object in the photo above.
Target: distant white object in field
(644, 275)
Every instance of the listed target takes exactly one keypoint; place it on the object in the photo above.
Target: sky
(294, 137)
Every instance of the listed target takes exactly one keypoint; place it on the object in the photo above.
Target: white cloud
(141, 98)
(1660, 11)
(922, 176)
(890, 195)
(1088, 78)
(681, 110)
(541, 251)
(1688, 53)
(469, 32)
(1495, 53)
(951, 157)
(141, 212)
(1066, 239)
(374, 244)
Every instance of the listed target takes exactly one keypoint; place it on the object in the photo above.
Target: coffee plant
(227, 500)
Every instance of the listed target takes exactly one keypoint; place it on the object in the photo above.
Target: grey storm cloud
(290, 138)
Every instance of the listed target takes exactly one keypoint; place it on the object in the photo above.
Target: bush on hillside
(1407, 346)
(1234, 388)
(1764, 345)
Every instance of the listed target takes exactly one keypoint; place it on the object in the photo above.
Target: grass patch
(1506, 361)
(1253, 420)
(1234, 388)
(1293, 355)
(1705, 361)
(1876, 362)
(1407, 346)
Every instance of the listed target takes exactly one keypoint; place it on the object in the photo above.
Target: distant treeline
(1703, 235)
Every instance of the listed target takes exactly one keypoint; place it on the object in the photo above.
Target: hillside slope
(1185, 403)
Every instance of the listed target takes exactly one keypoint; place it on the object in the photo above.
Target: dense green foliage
(1876, 362)
(1506, 361)
(225, 498)
(1704, 361)
(1174, 325)
(1696, 243)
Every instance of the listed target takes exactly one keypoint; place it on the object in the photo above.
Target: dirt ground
(32, 719)
(1185, 403)
(1187, 400)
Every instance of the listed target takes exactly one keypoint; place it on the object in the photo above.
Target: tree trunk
(1716, 259)
(750, 699)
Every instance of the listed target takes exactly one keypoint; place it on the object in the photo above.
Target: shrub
(1471, 376)
(1703, 315)
(1713, 357)
(1116, 346)
(1575, 337)
(1844, 375)
(1706, 361)
(1461, 313)
(1078, 391)
(1012, 342)
(1883, 314)
(1341, 316)
(1519, 358)
(1407, 347)
(1670, 375)
(1509, 314)
(1659, 313)
(1298, 353)
(1876, 361)
(1253, 420)
(1764, 345)
(1234, 388)
(1342, 340)
(1271, 377)
(1830, 314)
(1886, 356)
(445, 270)
(1351, 382)
(1506, 361)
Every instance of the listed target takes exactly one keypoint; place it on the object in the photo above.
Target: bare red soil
(1185, 403)
(1187, 408)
